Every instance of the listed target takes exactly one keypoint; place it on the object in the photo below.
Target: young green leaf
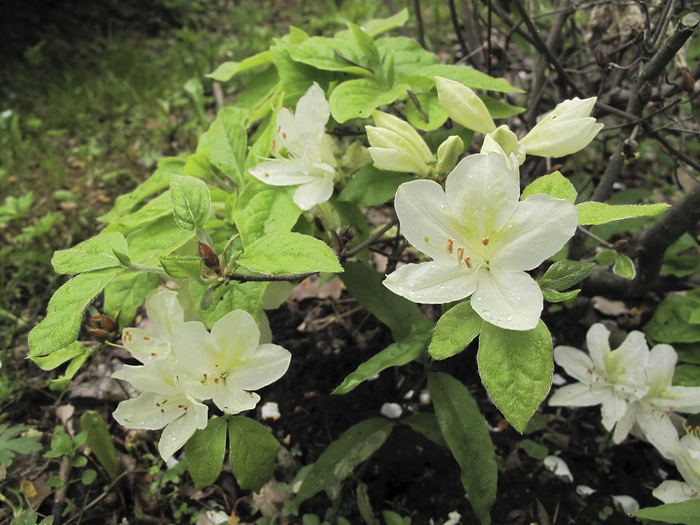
(671, 321)
(11, 444)
(261, 209)
(366, 45)
(64, 314)
(396, 354)
(253, 452)
(97, 253)
(331, 54)
(377, 26)
(564, 274)
(468, 76)
(365, 284)
(227, 70)
(554, 184)
(57, 358)
(226, 142)
(359, 97)
(606, 257)
(289, 253)
(179, 266)
(161, 237)
(454, 331)
(599, 213)
(468, 438)
(191, 202)
(341, 457)
(624, 267)
(205, 452)
(100, 442)
(516, 368)
(552, 296)
(686, 512)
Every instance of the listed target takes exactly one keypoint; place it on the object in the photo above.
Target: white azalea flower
(164, 312)
(162, 404)
(566, 130)
(687, 458)
(632, 383)
(226, 364)
(302, 150)
(396, 146)
(482, 239)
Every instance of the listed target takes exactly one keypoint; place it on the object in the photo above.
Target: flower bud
(464, 106)
(565, 130)
(396, 146)
(209, 257)
(504, 142)
(448, 153)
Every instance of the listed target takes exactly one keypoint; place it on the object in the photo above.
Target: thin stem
(364, 244)
(419, 21)
(455, 24)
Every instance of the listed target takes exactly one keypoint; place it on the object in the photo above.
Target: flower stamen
(485, 241)
(450, 245)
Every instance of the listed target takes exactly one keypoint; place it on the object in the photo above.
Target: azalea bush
(279, 190)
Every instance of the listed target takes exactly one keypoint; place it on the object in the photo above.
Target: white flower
(567, 129)
(482, 239)
(226, 364)
(396, 146)
(162, 404)
(632, 383)
(302, 150)
(687, 458)
(164, 312)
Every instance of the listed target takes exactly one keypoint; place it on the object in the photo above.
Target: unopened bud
(602, 59)
(209, 257)
(102, 328)
(448, 153)
(629, 148)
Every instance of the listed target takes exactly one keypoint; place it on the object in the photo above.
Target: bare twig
(420, 36)
(455, 24)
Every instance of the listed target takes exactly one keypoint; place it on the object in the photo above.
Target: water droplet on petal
(509, 318)
(488, 314)
(479, 297)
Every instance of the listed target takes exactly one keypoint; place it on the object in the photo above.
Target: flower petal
(318, 190)
(482, 194)
(576, 395)
(561, 138)
(179, 431)
(235, 337)
(662, 363)
(144, 345)
(613, 409)
(432, 282)
(281, 172)
(679, 398)
(312, 113)
(576, 363)
(149, 411)
(164, 311)
(658, 430)
(598, 344)
(672, 491)
(539, 227)
(232, 399)
(510, 300)
(265, 366)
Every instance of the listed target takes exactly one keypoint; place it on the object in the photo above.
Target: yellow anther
(460, 253)
(468, 260)
(485, 241)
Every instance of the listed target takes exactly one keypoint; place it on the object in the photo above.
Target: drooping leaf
(64, 314)
(365, 284)
(600, 213)
(205, 452)
(96, 253)
(516, 368)
(288, 253)
(341, 457)
(468, 438)
(455, 329)
(99, 439)
(552, 296)
(253, 452)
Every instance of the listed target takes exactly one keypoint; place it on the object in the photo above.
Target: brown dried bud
(102, 322)
(209, 257)
(629, 148)
(644, 92)
(688, 82)
(620, 245)
(602, 59)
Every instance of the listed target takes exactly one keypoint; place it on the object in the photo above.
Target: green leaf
(225, 299)
(57, 358)
(371, 186)
(365, 284)
(377, 26)
(287, 253)
(88, 476)
(94, 254)
(325, 54)
(552, 296)
(406, 54)
(564, 274)
(554, 184)
(687, 512)
(468, 76)
(686, 375)
(64, 314)
(426, 424)
(366, 45)
(253, 452)
(30, 517)
(455, 329)
(341, 457)
(162, 237)
(671, 321)
(154, 184)
(396, 354)
(430, 106)
(100, 442)
(499, 109)
(10, 444)
(191, 202)
(468, 438)
(624, 267)
(394, 518)
(599, 213)
(359, 97)
(534, 450)
(262, 209)
(226, 142)
(227, 70)
(516, 368)
(606, 257)
(177, 266)
(125, 294)
(76, 362)
(153, 210)
(205, 452)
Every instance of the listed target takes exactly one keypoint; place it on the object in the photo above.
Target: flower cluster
(184, 365)
(302, 151)
(482, 239)
(632, 384)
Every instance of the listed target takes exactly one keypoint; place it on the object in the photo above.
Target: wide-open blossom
(162, 403)
(686, 455)
(565, 130)
(396, 146)
(632, 383)
(164, 313)
(226, 364)
(302, 151)
(482, 240)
